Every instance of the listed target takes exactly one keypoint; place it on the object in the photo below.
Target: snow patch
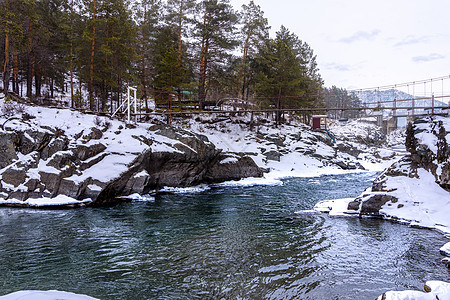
(140, 198)
(438, 290)
(40, 202)
(251, 181)
(45, 295)
(336, 207)
(141, 174)
(421, 202)
(186, 190)
(229, 160)
(94, 187)
(445, 250)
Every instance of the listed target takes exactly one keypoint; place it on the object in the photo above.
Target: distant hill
(373, 98)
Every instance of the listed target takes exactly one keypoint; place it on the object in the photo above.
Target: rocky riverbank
(46, 154)
(59, 157)
(414, 190)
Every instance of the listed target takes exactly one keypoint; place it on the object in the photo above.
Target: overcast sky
(363, 44)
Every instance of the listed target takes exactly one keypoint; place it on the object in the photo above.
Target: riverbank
(89, 160)
(414, 191)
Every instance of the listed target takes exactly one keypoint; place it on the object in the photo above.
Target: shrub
(11, 108)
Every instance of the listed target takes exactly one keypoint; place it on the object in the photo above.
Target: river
(226, 242)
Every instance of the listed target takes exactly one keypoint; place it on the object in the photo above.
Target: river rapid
(239, 242)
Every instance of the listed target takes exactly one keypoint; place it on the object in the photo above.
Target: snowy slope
(296, 150)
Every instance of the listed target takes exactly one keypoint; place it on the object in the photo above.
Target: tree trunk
(105, 83)
(51, 88)
(71, 55)
(241, 70)
(278, 114)
(144, 84)
(37, 80)
(203, 66)
(6, 63)
(111, 91)
(180, 24)
(30, 69)
(16, 74)
(203, 72)
(91, 68)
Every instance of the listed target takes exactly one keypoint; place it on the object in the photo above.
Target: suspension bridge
(391, 104)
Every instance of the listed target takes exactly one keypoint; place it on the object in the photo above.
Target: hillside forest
(200, 51)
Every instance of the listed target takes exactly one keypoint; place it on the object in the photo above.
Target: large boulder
(102, 170)
(8, 143)
(228, 167)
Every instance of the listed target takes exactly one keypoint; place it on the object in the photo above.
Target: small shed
(319, 121)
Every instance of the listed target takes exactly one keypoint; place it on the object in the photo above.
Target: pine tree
(169, 76)
(12, 33)
(255, 31)
(335, 97)
(287, 72)
(148, 16)
(216, 32)
(180, 16)
(93, 10)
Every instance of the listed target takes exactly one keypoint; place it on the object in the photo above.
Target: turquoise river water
(222, 243)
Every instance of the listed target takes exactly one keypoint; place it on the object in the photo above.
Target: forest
(174, 51)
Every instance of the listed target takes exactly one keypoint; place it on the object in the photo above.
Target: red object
(316, 123)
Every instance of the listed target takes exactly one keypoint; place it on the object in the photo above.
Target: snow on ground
(283, 151)
(337, 207)
(421, 202)
(45, 295)
(121, 147)
(297, 150)
(47, 202)
(435, 290)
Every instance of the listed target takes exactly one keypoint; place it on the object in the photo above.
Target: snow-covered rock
(434, 290)
(93, 160)
(445, 250)
(47, 152)
(294, 149)
(414, 190)
(45, 295)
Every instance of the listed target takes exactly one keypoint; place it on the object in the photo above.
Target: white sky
(363, 44)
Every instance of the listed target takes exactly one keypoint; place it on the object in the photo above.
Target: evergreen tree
(216, 32)
(50, 45)
(169, 76)
(11, 33)
(106, 51)
(180, 16)
(340, 98)
(148, 17)
(254, 32)
(287, 74)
